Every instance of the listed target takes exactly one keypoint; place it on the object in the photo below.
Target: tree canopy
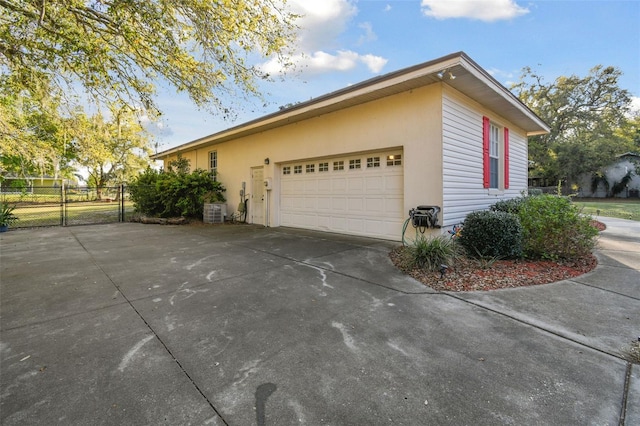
(589, 120)
(118, 49)
(112, 151)
(59, 56)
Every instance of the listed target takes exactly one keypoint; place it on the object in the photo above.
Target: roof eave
(378, 87)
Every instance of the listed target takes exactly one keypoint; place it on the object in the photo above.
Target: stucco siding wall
(463, 190)
(409, 122)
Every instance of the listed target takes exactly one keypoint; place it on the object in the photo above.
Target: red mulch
(470, 275)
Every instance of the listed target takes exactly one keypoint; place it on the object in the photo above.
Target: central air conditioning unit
(214, 213)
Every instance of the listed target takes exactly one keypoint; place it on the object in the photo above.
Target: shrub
(554, 228)
(508, 206)
(430, 253)
(169, 194)
(494, 234)
(144, 193)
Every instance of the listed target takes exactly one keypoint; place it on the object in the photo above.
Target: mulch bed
(471, 275)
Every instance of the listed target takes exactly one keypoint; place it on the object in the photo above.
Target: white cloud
(374, 63)
(368, 35)
(483, 10)
(387, 8)
(320, 62)
(321, 23)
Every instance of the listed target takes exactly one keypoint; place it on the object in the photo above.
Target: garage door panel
(356, 205)
(355, 226)
(365, 201)
(393, 207)
(339, 204)
(324, 185)
(310, 185)
(355, 185)
(324, 204)
(310, 203)
(338, 184)
(393, 183)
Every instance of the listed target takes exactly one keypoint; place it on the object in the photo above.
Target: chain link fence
(65, 206)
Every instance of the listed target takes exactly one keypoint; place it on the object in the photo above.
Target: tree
(117, 49)
(584, 114)
(112, 151)
(107, 52)
(33, 136)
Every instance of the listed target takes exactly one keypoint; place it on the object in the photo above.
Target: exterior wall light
(266, 161)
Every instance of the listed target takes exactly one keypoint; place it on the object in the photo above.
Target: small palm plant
(7, 217)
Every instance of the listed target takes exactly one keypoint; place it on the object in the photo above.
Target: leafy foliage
(57, 55)
(116, 49)
(555, 229)
(170, 194)
(511, 205)
(620, 186)
(431, 253)
(113, 151)
(6, 214)
(588, 120)
(492, 234)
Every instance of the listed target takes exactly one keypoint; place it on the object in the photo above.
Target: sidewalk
(240, 325)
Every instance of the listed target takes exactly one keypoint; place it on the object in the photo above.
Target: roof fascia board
(478, 72)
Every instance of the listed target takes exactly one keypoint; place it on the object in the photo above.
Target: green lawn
(76, 213)
(619, 207)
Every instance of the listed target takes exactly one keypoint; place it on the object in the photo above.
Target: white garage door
(357, 194)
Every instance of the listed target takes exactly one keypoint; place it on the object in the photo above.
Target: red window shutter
(506, 158)
(485, 151)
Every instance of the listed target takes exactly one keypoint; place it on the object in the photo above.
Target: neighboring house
(443, 133)
(625, 165)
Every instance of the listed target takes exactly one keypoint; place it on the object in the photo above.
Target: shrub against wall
(511, 205)
(492, 234)
(175, 193)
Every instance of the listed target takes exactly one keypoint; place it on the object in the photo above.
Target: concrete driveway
(131, 324)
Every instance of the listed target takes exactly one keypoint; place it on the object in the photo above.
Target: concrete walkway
(147, 325)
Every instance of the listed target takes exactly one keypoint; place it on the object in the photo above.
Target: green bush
(144, 192)
(430, 253)
(170, 194)
(508, 206)
(495, 234)
(554, 228)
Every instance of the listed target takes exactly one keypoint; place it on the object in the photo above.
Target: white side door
(256, 209)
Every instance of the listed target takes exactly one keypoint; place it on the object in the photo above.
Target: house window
(354, 164)
(286, 170)
(494, 156)
(213, 161)
(311, 168)
(495, 146)
(338, 165)
(373, 162)
(323, 167)
(297, 170)
(394, 160)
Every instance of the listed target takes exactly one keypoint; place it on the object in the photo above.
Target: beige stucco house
(443, 133)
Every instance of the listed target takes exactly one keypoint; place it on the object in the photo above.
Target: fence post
(121, 189)
(63, 205)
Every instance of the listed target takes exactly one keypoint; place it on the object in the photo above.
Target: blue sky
(342, 42)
